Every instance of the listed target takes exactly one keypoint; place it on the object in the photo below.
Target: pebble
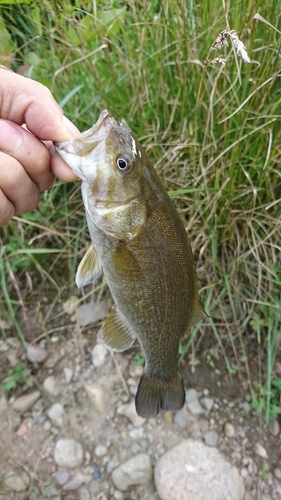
(68, 453)
(61, 477)
(181, 418)
(101, 450)
(274, 427)
(22, 430)
(36, 354)
(129, 410)
(260, 450)
(16, 481)
(211, 438)
(70, 305)
(135, 371)
(56, 413)
(135, 471)
(244, 472)
(246, 407)
(99, 355)
(277, 473)
(68, 373)
(91, 313)
(23, 403)
(229, 430)
(96, 396)
(192, 402)
(137, 433)
(38, 419)
(168, 417)
(51, 385)
(191, 470)
(118, 495)
(207, 403)
(74, 483)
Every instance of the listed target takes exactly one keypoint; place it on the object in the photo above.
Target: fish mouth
(90, 139)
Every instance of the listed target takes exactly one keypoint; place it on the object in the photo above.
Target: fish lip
(101, 129)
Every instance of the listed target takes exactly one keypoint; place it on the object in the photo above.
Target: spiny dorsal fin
(89, 268)
(116, 333)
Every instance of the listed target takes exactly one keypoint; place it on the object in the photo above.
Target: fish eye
(123, 165)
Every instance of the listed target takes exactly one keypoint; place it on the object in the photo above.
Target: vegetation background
(212, 130)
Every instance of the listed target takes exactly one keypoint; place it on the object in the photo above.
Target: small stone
(38, 419)
(135, 371)
(260, 450)
(56, 413)
(22, 430)
(192, 402)
(68, 373)
(137, 433)
(244, 473)
(36, 354)
(101, 450)
(246, 407)
(274, 427)
(61, 477)
(207, 403)
(68, 453)
(118, 495)
(47, 425)
(135, 471)
(51, 385)
(96, 396)
(24, 403)
(277, 473)
(129, 410)
(99, 355)
(70, 305)
(168, 417)
(211, 438)
(229, 430)
(181, 418)
(3, 346)
(16, 481)
(74, 483)
(91, 313)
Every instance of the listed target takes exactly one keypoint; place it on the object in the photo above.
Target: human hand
(28, 165)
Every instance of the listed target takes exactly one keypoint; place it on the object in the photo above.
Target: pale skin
(30, 121)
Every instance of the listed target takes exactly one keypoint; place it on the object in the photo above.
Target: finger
(29, 151)
(17, 186)
(7, 209)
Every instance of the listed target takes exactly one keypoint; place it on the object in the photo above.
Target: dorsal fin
(89, 268)
(116, 333)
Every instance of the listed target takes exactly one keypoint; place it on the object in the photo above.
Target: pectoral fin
(89, 268)
(116, 333)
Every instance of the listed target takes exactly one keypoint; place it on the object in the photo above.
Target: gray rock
(135, 471)
(181, 418)
(56, 413)
(277, 473)
(36, 354)
(91, 313)
(211, 438)
(62, 476)
(51, 385)
(260, 450)
(101, 450)
(68, 453)
(23, 403)
(74, 483)
(129, 411)
(192, 402)
(96, 396)
(16, 481)
(99, 355)
(229, 430)
(207, 403)
(68, 373)
(274, 427)
(192, 470)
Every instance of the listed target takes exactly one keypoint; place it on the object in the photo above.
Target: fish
(139, 242)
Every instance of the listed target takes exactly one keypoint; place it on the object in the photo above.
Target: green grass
(213, 133)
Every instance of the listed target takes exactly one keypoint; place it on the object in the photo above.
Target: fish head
(109, 160)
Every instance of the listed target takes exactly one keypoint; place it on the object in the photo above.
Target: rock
(56, 413)
(22, 430)
(36, 354)
(16, 481)
(3, 346)
(211, 438)
(74, 483)
(23, 403)
(70, 305)
(96, 396)
(192, 402)
(229, 430)
(135, 371)
(260, 450)
(68, 453)
(274, 427)
(67, 374)
(91, 313)
(207, 403)
(99, 355)
(192, 470)
(51, 385)
(181, 418)
(61, 477)
(101, 450)
(135, 471)
(129, 411)
(168, 417)
(277, 473)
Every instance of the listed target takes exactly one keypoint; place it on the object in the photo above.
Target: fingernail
(10, 137)
(70, 126)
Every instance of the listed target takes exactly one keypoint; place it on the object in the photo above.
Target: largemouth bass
(139, 242)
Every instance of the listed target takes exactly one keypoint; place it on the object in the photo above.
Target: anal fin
(116, 333)
(89, 268)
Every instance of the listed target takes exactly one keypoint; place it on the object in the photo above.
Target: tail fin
(155, 394)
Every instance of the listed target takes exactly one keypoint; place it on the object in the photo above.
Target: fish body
(139, 242)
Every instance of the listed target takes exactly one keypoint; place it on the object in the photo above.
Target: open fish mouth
(90, 139)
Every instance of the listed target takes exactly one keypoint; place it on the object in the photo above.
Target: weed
(17, 376)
